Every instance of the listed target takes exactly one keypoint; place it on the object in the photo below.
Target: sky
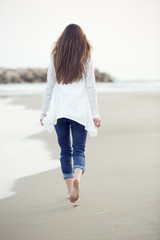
(125, 34)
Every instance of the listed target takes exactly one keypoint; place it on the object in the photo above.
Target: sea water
(116, 86)
(20, 156)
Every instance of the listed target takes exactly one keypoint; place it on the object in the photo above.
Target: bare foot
(75, 191)
(68, 196)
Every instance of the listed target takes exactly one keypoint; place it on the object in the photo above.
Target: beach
(119, 195)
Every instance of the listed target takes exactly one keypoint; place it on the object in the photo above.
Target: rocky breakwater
(32, 75)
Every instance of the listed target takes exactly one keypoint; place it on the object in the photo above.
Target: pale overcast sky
(125, 34)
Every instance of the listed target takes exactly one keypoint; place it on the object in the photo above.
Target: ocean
(20, 155)
(116, 86)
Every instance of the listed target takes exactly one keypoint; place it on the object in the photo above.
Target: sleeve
(91, 88)
(51, 80)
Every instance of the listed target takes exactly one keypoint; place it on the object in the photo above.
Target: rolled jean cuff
(67, 175)
(79, 166)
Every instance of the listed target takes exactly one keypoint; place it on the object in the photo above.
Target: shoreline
(30, 89)
(22, 152)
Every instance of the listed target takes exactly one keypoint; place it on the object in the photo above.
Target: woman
(71, 95)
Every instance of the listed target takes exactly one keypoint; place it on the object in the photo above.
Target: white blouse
(76, 101)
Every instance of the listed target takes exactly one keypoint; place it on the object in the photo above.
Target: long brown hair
(70, 54)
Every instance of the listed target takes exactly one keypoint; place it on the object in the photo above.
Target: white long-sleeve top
(76, 101)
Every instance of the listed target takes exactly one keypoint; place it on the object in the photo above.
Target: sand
(120, 190)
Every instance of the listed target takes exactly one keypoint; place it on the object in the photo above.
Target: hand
(97, 122)
(41, 122)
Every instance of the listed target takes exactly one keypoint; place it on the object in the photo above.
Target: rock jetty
(31, 75)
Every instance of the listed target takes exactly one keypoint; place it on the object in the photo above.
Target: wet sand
(120, 190)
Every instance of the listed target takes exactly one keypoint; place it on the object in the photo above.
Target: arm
(91, 88)
(51, 80)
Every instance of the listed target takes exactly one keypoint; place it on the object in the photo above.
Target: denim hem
(67, 175)
(79, 166)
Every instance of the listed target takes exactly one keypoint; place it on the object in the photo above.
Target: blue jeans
(79, 136)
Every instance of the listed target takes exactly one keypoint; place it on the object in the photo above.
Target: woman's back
(76, 100)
